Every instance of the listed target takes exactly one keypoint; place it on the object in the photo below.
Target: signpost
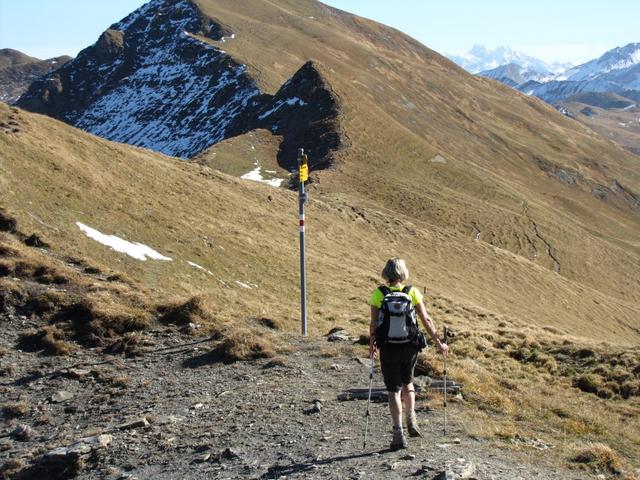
(303, 169)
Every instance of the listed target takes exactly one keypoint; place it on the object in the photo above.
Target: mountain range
(480, 59)
(603, 93)
(616, 71)
(520, 224)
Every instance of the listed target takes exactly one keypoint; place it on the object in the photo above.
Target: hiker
(398, 339)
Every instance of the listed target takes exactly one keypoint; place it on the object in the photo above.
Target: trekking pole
(366, 415)
(444, 387)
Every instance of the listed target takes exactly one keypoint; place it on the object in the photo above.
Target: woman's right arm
(428, 325)
(373, 350)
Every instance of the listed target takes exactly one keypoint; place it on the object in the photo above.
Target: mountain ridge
(128, 79)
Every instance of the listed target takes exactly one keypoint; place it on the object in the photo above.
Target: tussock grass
(16, 409)
(49, 338)
(599, 458)
(7, 222)
(195, 310)
(243, 344)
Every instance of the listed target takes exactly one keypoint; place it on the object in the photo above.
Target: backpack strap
(385, 290)
(407, 289)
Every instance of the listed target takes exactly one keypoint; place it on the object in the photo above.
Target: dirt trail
(177, 412)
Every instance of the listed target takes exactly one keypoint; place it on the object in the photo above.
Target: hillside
(614, 117)
(522, 226)
(18, 71)
(526, 178)
(232, 246)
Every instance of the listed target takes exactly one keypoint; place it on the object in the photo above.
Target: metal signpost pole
(303, 169)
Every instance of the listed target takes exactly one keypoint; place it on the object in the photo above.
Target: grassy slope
(54, 176)
(404, 104)
(619, 125)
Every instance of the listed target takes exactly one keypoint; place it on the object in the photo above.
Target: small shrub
(47, 302)
(270, 323)
(93, 320)
(132, 344)
(545, 361)
(7, 222)
(35, 241)
(12, 294)
(630, 389)
(39, 272)
(10, 467)
(17, 409)
(584, 353)
(424, 366)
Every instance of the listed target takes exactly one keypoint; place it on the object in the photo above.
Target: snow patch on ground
(256, 176)
(136, 250)
(280, 104)
(195, 265)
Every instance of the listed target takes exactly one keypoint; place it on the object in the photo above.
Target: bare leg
(395, 407)
(409, 397)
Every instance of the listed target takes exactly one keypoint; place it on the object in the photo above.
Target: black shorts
(398, 362)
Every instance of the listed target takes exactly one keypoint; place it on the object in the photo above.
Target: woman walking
(394, 331)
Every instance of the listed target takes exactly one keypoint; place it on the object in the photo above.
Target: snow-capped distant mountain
(514, 75)
(480, 59)
(617, 71)
(618, 59)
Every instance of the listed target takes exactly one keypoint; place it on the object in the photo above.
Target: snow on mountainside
(513, 74)
(480, 59)
(617, 71)
(150, 81)
(618, 59)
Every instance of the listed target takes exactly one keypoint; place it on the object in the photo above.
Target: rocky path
(176, 412)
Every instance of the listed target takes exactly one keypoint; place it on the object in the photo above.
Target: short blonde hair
(395, 271)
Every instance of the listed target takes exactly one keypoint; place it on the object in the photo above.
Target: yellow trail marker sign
(304, 172)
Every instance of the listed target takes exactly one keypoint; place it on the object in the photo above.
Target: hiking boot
(399, 440)
(412, 425)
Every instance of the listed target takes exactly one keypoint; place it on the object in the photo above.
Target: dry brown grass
(195, 310)
(599, 458)
(403, 105)
(49, 338)
(16, 409)
(244, 345)
(520, 385)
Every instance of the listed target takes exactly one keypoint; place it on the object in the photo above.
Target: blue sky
(554, 30)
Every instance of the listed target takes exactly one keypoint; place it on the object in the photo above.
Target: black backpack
(397, 321)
